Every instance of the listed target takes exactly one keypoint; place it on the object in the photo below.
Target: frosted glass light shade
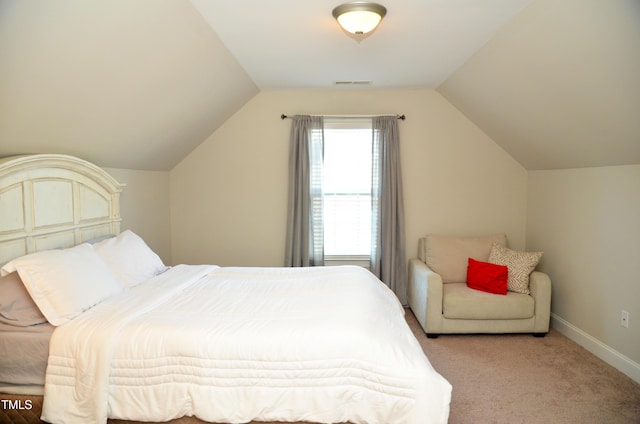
(359, 17)
(359, 22)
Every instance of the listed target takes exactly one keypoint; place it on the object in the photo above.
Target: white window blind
(347, 187)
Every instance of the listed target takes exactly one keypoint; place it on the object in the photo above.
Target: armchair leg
(432, 336)
(539, 334)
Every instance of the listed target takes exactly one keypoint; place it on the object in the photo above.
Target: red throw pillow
(490, 278)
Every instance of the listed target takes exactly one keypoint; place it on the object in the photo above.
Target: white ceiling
(295, 44)
(140, 83)
(556, 83)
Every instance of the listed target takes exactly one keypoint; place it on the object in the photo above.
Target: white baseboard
(595, 346)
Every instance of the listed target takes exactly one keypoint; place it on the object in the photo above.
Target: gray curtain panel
(388, 261)
(305, 229)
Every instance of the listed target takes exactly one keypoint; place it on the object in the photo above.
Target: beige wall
(144, 207)
(587, 223)
(229, 196)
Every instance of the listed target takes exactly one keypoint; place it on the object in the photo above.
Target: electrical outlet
(624, 319)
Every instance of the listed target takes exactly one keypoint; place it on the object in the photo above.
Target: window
(347, 188)
(357, 206)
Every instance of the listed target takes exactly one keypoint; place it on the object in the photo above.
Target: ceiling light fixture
(360, 17)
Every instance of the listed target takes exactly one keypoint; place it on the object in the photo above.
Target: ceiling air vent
(358, 83)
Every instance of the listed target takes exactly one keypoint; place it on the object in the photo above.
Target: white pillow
(129, 258)
(66, 282)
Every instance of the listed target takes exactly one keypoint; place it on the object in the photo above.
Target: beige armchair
(442, 302)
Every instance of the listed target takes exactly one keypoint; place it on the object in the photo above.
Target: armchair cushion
(520, 265)
(448, 256)
(462, 302)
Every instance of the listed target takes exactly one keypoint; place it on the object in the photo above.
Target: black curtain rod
(283, 116)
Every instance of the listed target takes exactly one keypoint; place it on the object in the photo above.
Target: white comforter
(239, 344)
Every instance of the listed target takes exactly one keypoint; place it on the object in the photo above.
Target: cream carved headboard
(53, 201)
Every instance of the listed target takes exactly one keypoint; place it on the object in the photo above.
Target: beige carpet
(523, 379)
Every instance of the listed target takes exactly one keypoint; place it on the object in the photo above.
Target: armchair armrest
(540, 287)
(425, 296)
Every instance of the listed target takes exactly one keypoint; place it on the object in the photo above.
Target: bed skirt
(28, 408)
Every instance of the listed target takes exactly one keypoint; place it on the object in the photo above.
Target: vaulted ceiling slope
(125, 84)
(559, 85)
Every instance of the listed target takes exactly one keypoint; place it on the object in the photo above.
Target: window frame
(338, 124)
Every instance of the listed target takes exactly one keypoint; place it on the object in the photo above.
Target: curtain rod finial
(283, 116)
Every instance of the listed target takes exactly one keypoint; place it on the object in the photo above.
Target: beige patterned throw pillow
(520, 265)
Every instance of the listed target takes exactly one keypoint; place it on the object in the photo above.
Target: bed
(107, 331)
